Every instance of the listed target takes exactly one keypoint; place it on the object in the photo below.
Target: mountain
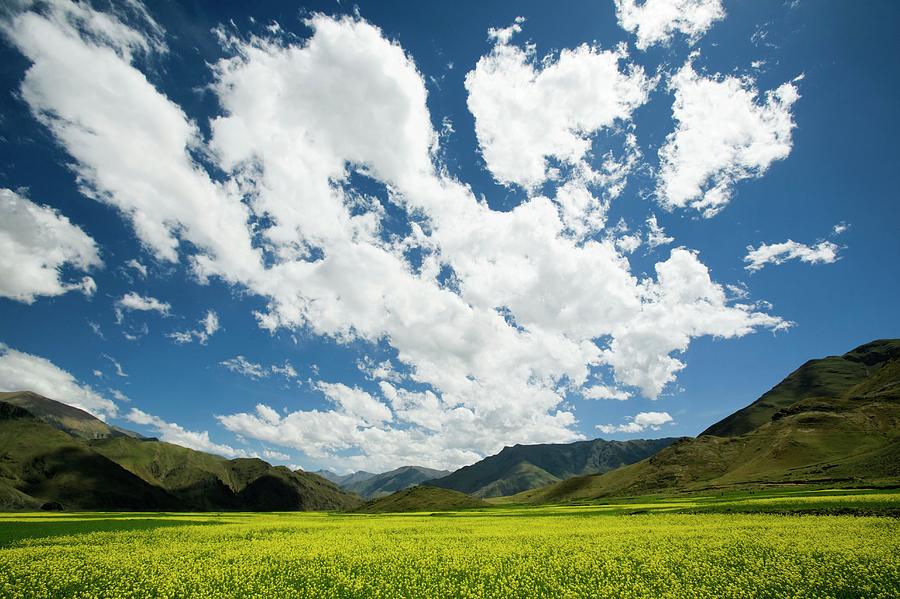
(835, 420)
(524, 467)
(53, 453)
(72, 420)
(379, 485)
(421, 499)
(829, 377)
(345, 479)
(39, 463)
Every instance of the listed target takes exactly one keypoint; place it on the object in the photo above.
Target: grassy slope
(851, 439)
(528, 466)
(209, 482)
(77, 423)
(524, 475)
(421, 499)
(40, 462)
(830, 377)
(46, 464)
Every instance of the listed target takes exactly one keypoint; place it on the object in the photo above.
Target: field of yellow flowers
(499, 552)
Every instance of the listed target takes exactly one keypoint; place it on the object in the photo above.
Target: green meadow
(825, 543)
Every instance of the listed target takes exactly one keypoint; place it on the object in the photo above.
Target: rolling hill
(53, 453)
(421, 499)
(524, 467)
(834, 421)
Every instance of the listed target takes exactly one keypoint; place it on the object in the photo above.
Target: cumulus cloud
(683, 303)
(20, 371)
(527, 110)
(131, 301)
(638, 423)
(824, 252)
(604, 392)
(36, 242)
(71, 45)
(171, 432)
(657, 21)
(207, 327)
(271, 454)
(493, 316)
(723, 134)
(379, 371)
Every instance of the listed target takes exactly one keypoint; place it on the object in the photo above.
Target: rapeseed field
(501, 552)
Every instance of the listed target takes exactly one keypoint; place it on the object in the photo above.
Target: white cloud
(723, 135)
(627, 244)
(502, 316)
(118, 367)
(72, 47)
(36, 242)
(604, 392)
(121, 397)
(253, 370)
(657, 21)
(286, 370)
(270, 454)
(527, 110)
(379, 371)
(681, 304)
(171, 432)
(137, 266)
(823, 252)
(355, 402)
(209, 324)
(131, 301)
(737, 292)
(245, 367)
(95, 327)
(638, 423)
(656, 235)
(136, 333)
(20, 371)
(502, 35)
(839, 228)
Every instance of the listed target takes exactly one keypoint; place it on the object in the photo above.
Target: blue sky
(362, 236)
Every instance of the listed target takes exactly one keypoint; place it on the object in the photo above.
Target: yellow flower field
(546, 552)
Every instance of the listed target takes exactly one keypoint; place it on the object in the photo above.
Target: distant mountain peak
(521, 467)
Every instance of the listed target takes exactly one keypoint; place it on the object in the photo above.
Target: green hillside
(523, 467)
(96, 467)
(421, 499)
(830, 377)
(816, 436)
(379, 485)
(74, 421)
(41, 464)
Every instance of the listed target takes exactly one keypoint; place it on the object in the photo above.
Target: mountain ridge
(385, 483)
(828, 423)
(521, 467)
(54, 454)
